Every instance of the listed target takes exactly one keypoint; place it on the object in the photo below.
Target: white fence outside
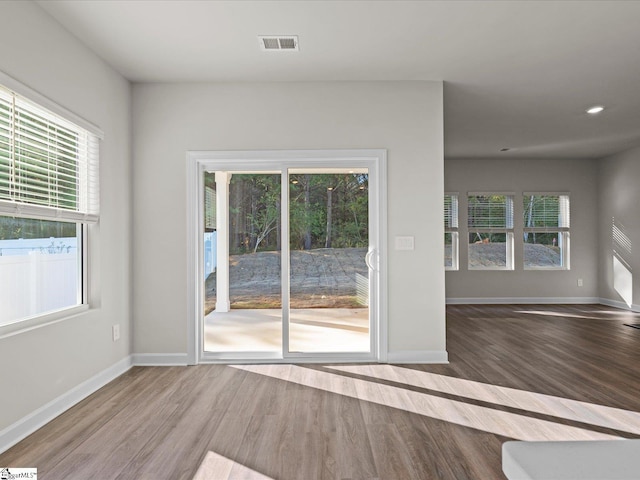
(41, 275)
(51, 245)
(209, 253)
(37, 276)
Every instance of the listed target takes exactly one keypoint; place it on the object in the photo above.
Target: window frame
(507, 230)
(84, 215)
(452, 226)
(564, 232)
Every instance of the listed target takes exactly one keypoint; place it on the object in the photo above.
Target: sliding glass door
(289, 273)
(328, 273)
(243, 289)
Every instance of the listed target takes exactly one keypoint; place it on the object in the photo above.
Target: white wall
(39, 365)
(405, 118)
(619, 197)
(579, 178)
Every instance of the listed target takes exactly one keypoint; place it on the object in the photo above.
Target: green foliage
(315, 197)
(325, 210)
(544, 238)
(485, 237)
(254, 211)
(14, 228)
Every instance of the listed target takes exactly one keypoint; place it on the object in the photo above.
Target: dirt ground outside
(333, 277)
(494, 255)
(320, 278)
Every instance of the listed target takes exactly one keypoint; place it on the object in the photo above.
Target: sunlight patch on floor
(486, 419)
(588, 315)
(311, 330)
(583, 412)
(217, 467)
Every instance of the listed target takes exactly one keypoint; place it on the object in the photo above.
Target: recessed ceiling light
(595, 109)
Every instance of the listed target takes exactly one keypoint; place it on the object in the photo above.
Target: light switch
(404, 243)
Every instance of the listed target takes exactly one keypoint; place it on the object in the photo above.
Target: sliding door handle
(367, 259)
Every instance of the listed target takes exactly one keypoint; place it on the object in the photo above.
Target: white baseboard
(159, 359)
(418, 356)
(43, 415)
(522, 300)
(619, 304)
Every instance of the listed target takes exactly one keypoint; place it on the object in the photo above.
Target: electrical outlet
(115, 330)
(579, 282)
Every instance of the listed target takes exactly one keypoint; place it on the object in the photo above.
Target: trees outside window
(326, 211)
(490, 231)
(546, 223)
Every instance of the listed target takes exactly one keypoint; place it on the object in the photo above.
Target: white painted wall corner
(619, 304)
(43, 415)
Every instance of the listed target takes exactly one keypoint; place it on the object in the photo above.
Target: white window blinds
(450, 211)
(488, 212)
(546, 212)
(48, 166)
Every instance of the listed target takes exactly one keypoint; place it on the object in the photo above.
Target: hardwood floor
(515, 372)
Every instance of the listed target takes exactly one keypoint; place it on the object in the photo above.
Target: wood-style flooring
(516, 372)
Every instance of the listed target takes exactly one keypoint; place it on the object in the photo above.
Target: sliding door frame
(272, 161)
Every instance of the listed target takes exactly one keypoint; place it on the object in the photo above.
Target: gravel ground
(330, 277)
(324, 277)
(493, 254)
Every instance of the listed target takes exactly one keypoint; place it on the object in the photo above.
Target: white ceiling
(517, 74)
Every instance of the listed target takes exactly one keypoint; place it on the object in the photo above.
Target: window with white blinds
(48, 166)
(490, 229)
(451, 236)
(450, 211)
(546, 222)
(488, 211)
(546, 212)
(49, 194)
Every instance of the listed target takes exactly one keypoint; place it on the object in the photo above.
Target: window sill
(490, 269)
(25, 325)
(546, 269)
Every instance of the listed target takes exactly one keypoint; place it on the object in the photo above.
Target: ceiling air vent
(279, 42)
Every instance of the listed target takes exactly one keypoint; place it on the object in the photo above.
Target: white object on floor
(583, 460)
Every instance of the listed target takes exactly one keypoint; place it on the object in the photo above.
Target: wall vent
(279, 43)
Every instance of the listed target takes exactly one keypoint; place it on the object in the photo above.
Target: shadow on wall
(622, 273)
